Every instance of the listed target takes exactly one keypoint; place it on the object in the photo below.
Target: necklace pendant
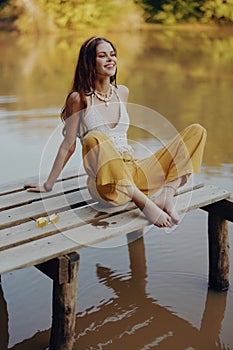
(104, 97)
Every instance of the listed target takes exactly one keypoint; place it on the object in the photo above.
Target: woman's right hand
(34, 188)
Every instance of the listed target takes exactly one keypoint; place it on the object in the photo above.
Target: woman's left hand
(34, 188)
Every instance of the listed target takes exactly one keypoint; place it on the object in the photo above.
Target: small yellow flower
(41, 222)
(54, 218)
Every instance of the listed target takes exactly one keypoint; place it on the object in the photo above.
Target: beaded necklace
(104, 97)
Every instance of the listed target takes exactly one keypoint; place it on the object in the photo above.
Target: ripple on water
(8, 99)
(145, 316)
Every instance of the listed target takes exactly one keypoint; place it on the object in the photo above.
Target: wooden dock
(53, 248)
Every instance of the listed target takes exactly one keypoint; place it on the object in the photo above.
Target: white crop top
(93, 120)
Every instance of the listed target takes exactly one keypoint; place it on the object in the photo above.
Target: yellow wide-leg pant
(110, 172)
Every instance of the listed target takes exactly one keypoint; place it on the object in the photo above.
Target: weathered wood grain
(64, 302)
(16, 186)
(97, 231)
(28, 231)
(219, 256)
(14, 216)
(15, 199)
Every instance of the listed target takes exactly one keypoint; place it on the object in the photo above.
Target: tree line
(51, 15)
(176, 11)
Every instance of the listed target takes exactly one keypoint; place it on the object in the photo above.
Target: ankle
(170, 189)
(174, 185)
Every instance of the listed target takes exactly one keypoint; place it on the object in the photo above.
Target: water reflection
(187, 80)
(132, 319)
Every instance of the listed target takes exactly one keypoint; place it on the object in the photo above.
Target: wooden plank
(23, 197)
(18, 184)
(200, 197)
(28, 231)
(189, 186)
(47, 248)
(18, 215)
(15, 186)
(75, 183)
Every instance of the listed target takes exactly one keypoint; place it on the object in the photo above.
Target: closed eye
(104, 54)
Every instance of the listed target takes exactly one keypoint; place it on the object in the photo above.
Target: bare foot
(166, 202)
(151, 210)
(156, 216)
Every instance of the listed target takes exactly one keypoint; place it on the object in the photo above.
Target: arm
(66, 148)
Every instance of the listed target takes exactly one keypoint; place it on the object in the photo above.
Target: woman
(95, 111)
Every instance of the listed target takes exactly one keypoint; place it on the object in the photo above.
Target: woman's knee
(197, 129)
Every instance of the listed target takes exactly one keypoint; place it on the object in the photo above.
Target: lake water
(152, 294)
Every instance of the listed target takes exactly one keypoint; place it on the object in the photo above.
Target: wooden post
(64, 302)
(4, 320)
(219, 257)
(64, 273)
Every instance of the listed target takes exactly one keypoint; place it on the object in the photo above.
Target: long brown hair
(84, 77)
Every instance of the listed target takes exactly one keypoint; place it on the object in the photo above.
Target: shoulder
(74, 99)
(123, 92)
(73, 104)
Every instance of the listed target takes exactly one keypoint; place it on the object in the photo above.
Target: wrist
(46, 188)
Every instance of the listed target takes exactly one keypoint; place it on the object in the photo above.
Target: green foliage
(3, 3)
(220, 11)
(75, 14)
(171, 11)
(8, 15)
(38, 16)
(52, 15)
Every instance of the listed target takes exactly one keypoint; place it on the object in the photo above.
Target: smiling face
(106, 61)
